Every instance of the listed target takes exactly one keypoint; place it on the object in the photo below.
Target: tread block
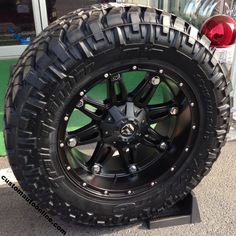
(32, 78)
(220, 132)
(199, 54)
(165, 20)
(193, 35)
(36, 103)
(224, 108)
(229, 88)
(28, 142)
(216, 55)
(31, 171)
(134, 17)
(85, 49)
(179, 24)
(57, 47)
(24, 122)
(114, 17)
(74, 32)
(217, 79)
(150, 16)
(42, 59)
(57, 72)
(95, 26)
(205, 41)
(120, 36)
(56, 180)
(176, 42)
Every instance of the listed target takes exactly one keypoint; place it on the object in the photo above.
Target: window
(58, 8)
(16, 22)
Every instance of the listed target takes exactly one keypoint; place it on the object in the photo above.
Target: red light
(221, 30)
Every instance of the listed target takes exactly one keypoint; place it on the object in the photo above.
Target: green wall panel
(4, 77)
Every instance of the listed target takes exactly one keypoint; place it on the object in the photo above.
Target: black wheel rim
(133, 140)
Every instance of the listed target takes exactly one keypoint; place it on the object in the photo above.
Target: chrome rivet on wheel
(68, 168)
(81, 93)
(66, 118)
(72, 142)
(134, 67)
(80, 103)
(84, 184)
(127, 150)
(132, 168)
(152, 184)
(116, 77)
(186, 149)
(192, 104)
(129, 192)
(181, 85)
(96, 169)
(161, 71)
(194, 127)
(106, 192)
(174, 111)
(106, 132)
(172, 169)
(106, 75)
(163, 146)
(156, 80)
(62, 145)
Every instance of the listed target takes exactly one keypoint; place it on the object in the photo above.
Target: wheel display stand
(185, 211)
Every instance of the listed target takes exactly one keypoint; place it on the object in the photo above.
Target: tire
(68, 55)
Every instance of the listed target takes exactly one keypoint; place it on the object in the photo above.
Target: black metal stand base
(185, 211)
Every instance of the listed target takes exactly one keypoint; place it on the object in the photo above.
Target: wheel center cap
(123, 125)
(127, 130)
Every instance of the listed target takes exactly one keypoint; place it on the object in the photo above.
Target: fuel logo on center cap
(127, 130)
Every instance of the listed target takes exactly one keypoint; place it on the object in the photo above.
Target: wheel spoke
(134, 154)
(152, 138)
(181, 101)
(101, 152)
(112, 84)
(161, 111)
(95, 103)
(91, 107)
(126, 157)
(143, 93)
(115, 113)
(85, 135)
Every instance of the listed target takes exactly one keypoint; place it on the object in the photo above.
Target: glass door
(19, 24)
(53, 9)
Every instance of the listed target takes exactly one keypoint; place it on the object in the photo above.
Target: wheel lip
(139, 64)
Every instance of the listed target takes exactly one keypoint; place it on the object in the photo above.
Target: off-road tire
(50, 72)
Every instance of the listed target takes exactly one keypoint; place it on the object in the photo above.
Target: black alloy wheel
(130, 143)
